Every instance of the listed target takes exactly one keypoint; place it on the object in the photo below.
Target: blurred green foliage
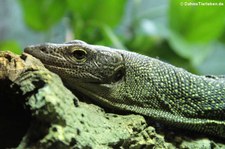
(42, 15)
(87, 18)
(193, 29)
(172, 30)
(9, 46)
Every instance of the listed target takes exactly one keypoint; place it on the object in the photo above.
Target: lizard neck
(159, 85)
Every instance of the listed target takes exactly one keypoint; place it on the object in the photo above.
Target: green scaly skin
(137, 83)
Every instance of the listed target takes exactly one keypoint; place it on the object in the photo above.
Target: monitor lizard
(133, 82)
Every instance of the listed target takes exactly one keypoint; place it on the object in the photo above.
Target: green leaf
(42, 14)
(88, 17)
(98, 11)
(10, 46)
(195, 52)
(197, 23)
(215, 62)
(193, 29)
(112, 37)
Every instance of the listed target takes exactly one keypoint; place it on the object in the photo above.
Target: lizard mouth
(72, 75)
(75, 78)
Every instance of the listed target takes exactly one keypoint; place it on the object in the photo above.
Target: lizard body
(137, 83)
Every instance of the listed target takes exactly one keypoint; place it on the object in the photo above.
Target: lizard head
(95, 71)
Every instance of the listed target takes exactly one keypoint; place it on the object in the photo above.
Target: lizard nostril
(27, 50)
(43, 49)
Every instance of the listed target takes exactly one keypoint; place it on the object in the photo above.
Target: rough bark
(37, 111)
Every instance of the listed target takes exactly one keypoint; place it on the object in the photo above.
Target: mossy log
(37, 111)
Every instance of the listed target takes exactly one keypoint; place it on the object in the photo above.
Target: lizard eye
(79, 54)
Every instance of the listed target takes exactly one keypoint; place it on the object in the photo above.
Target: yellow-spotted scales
(137, 83)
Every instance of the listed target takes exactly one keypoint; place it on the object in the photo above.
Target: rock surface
(37, 111)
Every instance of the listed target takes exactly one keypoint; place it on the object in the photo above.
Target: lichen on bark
(37, 111)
